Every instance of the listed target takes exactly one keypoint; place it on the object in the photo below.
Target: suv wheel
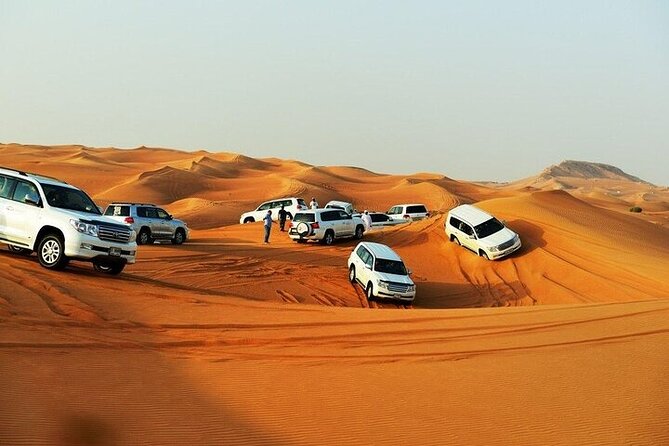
(51, 252)
(144, 237)
(456, 241)
(369, 292)
(351, 274)
(329, 237)
(109, 268)
(19, 250)
(483, 254)
(359, 231)
(249, 220)
(179, 237)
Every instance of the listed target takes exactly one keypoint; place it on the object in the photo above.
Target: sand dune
(224, 340)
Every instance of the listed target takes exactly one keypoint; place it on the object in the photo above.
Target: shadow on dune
(435, 295)
(531, 236)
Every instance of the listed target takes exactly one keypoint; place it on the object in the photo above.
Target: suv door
(468, 239)
(7, 185)
(22, 213)
(154, 223)
(364, 270)
(167, 227)
(345, 223)
(329, 220)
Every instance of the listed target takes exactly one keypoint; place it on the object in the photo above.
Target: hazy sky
(472, 89)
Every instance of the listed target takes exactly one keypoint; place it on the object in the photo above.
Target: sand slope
(224, 340)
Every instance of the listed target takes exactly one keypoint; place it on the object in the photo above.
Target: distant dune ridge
(224, 340)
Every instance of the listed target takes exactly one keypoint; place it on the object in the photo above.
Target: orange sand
(226, 341)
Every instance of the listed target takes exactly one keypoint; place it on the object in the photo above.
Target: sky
(475, 90)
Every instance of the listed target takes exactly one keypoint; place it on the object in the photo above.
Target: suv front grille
(507, 244)
(113, 234)
(398, 287)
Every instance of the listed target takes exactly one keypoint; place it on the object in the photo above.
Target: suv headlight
(85, 228)
(493, 248)
(411, 288)
(133, 236)
(384, 284)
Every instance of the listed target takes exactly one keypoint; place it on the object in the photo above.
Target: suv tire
(109, 268)
(328, 238)
(51, 252)
(249, 220)
(351, 274)
(369, 292)
(359, 231)
(179, 237)
(144, 237)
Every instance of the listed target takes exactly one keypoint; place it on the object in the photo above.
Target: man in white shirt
(367, 220)
(314, 203)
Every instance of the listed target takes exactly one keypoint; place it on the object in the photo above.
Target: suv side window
(329, 216)
(264, 206)
(394, 210)
(287, 203)
(6, 187)
(151, 212)
(455, 222)
(343, 215)
(464, 227)
(376, 218)
(162, 214)
(416, 209)
(141, 212)
(24, 189)
(119, 211)
(365, 256)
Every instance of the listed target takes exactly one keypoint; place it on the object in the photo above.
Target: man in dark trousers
(282, 218)
(268, 225)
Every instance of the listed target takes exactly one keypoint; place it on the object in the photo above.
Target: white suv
(60, 222)
(381, 272)
(290, 205)
(408, 212)
(325, 225)
(149, 221)
(480, 232)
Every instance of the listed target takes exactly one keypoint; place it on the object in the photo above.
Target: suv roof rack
(36, 175)
(123, 203)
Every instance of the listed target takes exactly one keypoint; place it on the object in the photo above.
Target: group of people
(283, 215)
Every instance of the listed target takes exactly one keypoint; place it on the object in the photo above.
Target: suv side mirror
(31, 199)
(169, 217)
(368, 266)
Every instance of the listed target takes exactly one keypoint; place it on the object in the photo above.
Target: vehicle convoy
(480, 232)
(380, 272)
(61, 223)
(150, 222)
(325, 225)
(291, 205)
(408, 212)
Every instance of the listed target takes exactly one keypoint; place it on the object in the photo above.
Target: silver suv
(149, 221)
(325, 225)
(60, 223)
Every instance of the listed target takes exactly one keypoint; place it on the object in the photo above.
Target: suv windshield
(488, 228)
(309, 218)
(69, 198)
(390, 267)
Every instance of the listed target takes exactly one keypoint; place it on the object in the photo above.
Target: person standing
(282, 218)
(314, 203)
(367, 220)
(268, 225)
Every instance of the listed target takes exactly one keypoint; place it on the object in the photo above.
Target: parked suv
(61, 223)
(381, 272)
(408, 212)
(149, 221)
(290, 205)
(480, 232)
(325, 225)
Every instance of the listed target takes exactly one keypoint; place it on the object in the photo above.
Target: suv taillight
(315, 226)
(129, 220)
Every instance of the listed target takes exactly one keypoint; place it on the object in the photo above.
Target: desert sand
(224, 340)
